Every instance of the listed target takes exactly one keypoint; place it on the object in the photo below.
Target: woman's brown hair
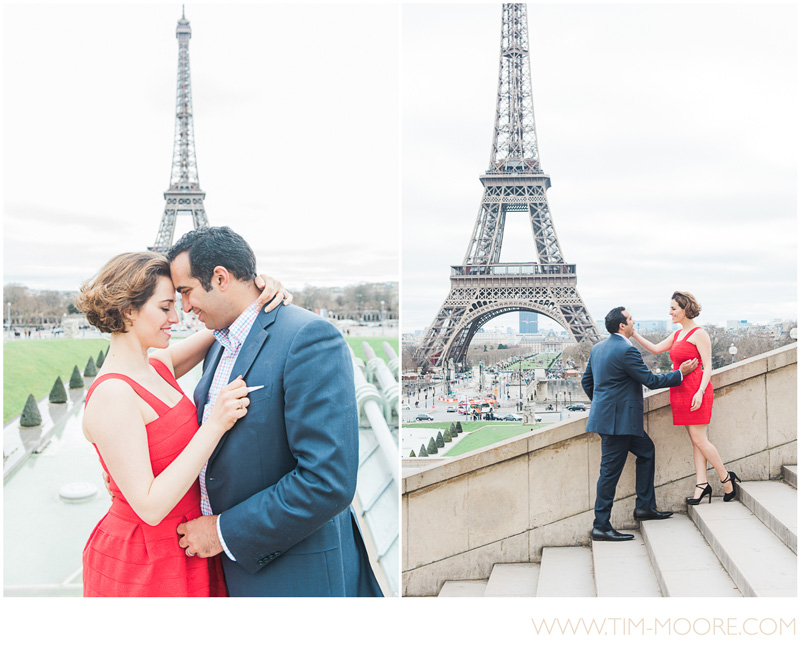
(125, 282)
(688, 303)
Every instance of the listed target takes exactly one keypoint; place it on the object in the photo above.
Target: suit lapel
(209, 368)
(250, 348)
(253, 343)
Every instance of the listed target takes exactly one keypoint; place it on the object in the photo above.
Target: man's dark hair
(614, 319)
(212, 247)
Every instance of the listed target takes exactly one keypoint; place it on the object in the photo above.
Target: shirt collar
(233, 336)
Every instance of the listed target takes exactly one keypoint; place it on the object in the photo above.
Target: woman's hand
(273, 292)
(697, 401)
(231, 404)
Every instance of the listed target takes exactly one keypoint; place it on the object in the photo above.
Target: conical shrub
(412, 454)
(91, 369)
(458, 428)
(453, 431)
(58, 394)
(446, 437)
(100, 358)
(432, 448)
(76, 381)
(439, 440)
(30, 414)
(423, 453)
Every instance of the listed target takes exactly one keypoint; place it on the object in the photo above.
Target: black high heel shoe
(730, 496)
(706, 490)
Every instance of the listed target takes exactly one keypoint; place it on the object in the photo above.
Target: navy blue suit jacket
(613, 381)
(283, 477)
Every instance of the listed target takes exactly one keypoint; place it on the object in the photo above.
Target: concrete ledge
(683, 562)
(757, 561)
(566, 571)
(790, 475)
(521, 580)
(775, 504)
(463, 588)
(623, 569)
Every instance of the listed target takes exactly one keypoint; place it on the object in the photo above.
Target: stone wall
(505, 503)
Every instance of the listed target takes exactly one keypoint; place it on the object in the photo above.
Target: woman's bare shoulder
(111, 406)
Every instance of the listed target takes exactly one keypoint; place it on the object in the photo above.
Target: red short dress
(680, 397)
(127, 557)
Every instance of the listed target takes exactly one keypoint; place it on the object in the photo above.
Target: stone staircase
(747, 547)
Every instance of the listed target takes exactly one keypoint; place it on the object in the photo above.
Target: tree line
(25, 307)
(748, 343)
(361, 302)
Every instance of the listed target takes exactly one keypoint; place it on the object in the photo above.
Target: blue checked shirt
(231, 339)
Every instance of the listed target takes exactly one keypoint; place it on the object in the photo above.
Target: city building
(528, 322)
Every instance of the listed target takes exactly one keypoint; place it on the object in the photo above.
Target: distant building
(528, 322)
(652, 326)
(737, 325)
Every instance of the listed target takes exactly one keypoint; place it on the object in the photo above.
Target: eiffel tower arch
(184, 198)
(482, 287)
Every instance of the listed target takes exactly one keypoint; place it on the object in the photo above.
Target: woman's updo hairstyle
(688, 303)
(127, 281)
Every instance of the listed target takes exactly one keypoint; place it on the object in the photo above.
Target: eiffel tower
(482, 288)
(184, 197)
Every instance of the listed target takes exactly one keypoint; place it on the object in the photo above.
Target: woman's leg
(700, 469)
(704, 450)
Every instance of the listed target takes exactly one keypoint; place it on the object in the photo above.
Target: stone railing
(504, 503)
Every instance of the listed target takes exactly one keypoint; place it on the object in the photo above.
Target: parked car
(406, 407)
(490, 416)
(576, 407)
(424, 416)
(451, 409)
(513, 417)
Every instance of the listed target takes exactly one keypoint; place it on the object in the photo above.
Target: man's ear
(221, 278)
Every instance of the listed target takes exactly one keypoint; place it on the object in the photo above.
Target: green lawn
(376, 343)
(481, 434)
(541, 360)
(32, 367)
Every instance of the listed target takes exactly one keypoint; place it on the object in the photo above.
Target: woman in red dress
(692, 401)
(145, 430)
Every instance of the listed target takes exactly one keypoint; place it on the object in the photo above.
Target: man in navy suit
(276, 492)
(613, 381)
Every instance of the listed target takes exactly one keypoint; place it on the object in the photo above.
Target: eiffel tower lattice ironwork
(184, 197)
(483, 288)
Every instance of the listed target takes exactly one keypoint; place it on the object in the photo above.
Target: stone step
(624, 569)
(566, 571)
(758, 562)
(463, 588)
(775, 504)
(790, 475)
(683, 562)
(513, 580)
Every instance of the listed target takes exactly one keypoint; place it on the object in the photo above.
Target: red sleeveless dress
(127, 557)
(680, 397)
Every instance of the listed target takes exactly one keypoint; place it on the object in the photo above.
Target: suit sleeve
(321, 419)
(587, 381)
(637, 370)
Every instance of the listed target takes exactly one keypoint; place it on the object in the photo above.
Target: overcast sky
(669, 133)
(296, 118)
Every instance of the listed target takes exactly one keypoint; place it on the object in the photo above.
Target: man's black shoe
(643, 515)
(610, 535)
